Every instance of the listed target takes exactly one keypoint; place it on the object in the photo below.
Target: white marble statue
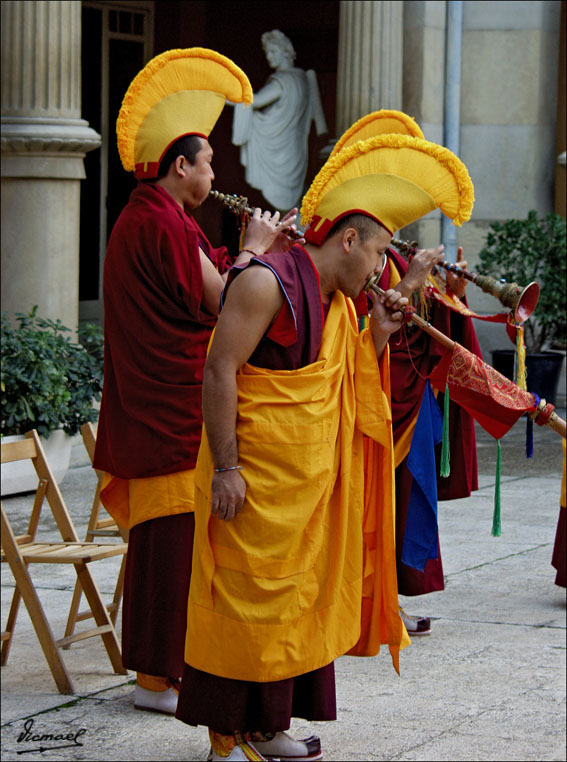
(273, 133)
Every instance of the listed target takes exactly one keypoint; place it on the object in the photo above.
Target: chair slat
(23, 449)
(63, 642)
(69, 553)
(107, 523)
(104, 532)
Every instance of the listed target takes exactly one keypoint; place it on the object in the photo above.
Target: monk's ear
(350, 237)
(180, 165)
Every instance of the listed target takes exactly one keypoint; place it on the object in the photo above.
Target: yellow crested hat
(395, 179)
(179, 92)
(378, 123)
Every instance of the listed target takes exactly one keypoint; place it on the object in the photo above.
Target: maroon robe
(559, 557)
(408, 386)
(226, 705)
(156, 338)
(156, 589)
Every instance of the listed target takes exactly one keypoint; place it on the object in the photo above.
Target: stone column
(43, 142)
(369, 75)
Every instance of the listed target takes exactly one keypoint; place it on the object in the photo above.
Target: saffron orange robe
(132, 501)
(306, 572)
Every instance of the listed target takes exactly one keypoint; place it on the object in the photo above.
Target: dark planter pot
(543, 370)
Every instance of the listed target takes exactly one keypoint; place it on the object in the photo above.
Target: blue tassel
(530, 431)
(529, 438)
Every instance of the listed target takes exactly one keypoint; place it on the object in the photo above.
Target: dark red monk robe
(156, 588)
(156, 338)
(226, 705)
(408, 386)
(559, 557)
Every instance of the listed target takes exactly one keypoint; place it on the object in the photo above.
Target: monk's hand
(228, 490)
(283, 242)
(457, 283)
(419, 268)
(387, 312)
(265, 231)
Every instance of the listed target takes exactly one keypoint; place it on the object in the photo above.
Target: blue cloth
(420, 538)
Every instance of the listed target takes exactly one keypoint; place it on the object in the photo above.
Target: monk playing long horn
(416, 417)
(294, 557)
(162, 287)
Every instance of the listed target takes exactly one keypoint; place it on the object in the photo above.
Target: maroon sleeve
(222, 258)
(178, 255)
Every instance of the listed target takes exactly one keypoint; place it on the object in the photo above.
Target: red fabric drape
(491, 398)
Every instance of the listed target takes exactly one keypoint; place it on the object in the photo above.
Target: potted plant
(48, 383)
(521, 251)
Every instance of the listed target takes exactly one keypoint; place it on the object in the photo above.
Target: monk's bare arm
(253, 301)
(265, 231)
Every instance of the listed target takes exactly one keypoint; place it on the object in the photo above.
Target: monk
(294, 561)
(419, 576)
(311, 279)
(162, 287)
(413, 354)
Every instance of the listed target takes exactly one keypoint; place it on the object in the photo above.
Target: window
(116, 43)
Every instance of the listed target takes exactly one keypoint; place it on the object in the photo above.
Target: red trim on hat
(319, 236)
(149, 173)
(152, 168)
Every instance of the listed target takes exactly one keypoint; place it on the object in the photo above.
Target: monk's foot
(241, 751)
(155, 694)
(416, 625)
(283, 747)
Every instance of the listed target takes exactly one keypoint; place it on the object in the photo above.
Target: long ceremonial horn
(239, 206)
(409, 314)
(522, 301)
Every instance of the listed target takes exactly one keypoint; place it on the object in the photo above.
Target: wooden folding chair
(20, 551)
(99, 526)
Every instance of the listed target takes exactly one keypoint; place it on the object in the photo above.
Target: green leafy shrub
(522, 251)
(47, 381)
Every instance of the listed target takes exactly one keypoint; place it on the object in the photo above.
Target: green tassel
(496, 523)
(445, 468)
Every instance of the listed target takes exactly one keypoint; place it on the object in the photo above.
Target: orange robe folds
(306, 571)
(132, 501)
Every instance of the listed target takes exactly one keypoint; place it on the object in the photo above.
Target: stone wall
(508, 108)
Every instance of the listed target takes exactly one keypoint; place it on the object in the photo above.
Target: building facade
(484, 78)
